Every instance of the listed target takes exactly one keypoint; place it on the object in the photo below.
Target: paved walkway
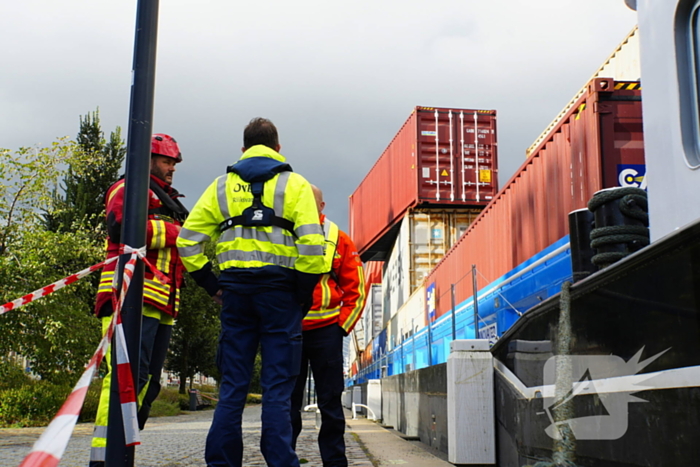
(177, 441)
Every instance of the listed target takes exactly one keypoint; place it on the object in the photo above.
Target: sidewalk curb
(385, 446)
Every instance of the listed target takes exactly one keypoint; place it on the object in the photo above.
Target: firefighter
(160, 301)
(270, 254)
(338, 301)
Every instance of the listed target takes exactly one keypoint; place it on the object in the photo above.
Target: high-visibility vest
(287, 193)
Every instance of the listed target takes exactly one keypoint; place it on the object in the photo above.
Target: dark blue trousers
(323, 348)
(273, 320)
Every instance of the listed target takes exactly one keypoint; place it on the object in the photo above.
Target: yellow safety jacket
(288, 193)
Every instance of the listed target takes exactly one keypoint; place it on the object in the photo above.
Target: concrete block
(374, 397)
(470, 403)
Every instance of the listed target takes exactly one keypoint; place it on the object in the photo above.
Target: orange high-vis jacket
(339, 297)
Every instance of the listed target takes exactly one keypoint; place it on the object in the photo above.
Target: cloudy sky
(337, 78)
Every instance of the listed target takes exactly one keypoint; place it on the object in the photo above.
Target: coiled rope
(633, 204)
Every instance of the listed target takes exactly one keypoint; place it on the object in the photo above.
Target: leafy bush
(12, 375)
(31, 405)
(92, 401)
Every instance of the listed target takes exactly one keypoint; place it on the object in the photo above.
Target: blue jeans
(323, 348)
(273, 320)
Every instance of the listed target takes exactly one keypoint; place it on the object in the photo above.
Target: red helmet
(165, 145)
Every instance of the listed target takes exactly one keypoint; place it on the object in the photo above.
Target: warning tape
(49, 448)
(208, 397)
(51, 288)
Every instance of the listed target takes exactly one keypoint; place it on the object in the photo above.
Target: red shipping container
(439, 157)
(585, 152)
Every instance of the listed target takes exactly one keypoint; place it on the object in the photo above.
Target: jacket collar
(262, 151)
(161, 183)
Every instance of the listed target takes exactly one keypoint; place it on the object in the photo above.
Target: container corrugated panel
(597, 142)
(439, 156)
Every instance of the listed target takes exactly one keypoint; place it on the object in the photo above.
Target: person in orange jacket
(338, 301)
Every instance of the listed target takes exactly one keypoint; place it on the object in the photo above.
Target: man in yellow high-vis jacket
(270, 253)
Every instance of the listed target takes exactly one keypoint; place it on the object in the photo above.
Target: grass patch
(162, 408)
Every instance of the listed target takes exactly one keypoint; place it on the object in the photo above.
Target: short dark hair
(260, 131)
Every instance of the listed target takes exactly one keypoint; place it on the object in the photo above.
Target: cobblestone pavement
(176, 441)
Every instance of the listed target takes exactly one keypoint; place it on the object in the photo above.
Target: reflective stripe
(164, 258)
(192, 250)
(281, 187)
(158, 234)
(325, 291)
(114, 192)
(278, 207)
(156, 297)
(154, 284)
(276, 237)
(100, 432)
(221, 196)
(322, 314)
(198, 237)
(98, 454)
(359, 304)
(308, 229)
(310, 250)
(257, 256)
(330, 243)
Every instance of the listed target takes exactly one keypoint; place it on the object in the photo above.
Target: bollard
(580, 226)
(193, 400)
(621, 222)
(471, 416)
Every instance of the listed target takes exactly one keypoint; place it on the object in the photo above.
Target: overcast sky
(337, 78)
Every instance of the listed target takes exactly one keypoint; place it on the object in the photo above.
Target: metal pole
(476, 303)
(413, 345)
(308, 384)
(430, 343)
(135, 213)
(454, 312)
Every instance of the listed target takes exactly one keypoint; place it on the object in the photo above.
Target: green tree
(195, 335)
(57, 334)
(79, 204)
(27, 178)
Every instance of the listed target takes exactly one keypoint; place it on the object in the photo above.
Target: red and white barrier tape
(49, 448)
(51, 288)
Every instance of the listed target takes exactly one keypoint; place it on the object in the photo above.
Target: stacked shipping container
(440, 157)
